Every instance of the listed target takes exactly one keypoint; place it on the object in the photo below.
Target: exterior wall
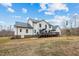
(30, 22)
(43, 23)
(58, 30)
(33, 25)
(15, 31)
(37, 28)
(23, 32)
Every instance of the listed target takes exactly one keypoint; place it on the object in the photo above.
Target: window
(45, 31)
(45, 26)
(20, 30)
(39, 25)
(49, 26)
(26, 30)
(34, 31)
(37, 32)
(53, 30)
(49, 31)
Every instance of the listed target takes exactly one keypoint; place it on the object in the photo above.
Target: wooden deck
(49, 34)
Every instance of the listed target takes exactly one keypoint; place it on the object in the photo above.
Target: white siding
(58, 30)
(15, 31)
(23, 32)
(30, 22)
(37, 28)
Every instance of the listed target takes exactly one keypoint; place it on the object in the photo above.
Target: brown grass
(51, 46)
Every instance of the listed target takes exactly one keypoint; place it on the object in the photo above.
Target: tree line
(6, 31)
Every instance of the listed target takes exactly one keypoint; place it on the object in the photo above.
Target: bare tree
(74, 18)
(0, 27)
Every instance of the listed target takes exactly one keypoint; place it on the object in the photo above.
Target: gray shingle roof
(54, 27)
(23, 25)
(36, 21)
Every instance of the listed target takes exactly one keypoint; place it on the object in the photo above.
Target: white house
(32, 27)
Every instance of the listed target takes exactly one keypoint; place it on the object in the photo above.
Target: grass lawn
(4, 39)
(51, 46)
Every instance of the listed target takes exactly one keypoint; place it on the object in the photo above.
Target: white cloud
(27, 18)
(59, 20)
(48, 13)
(2, 22)
(36, 18)
(24, 10)
(52, 7)
(43, 7)
(58, 6)
(11, 10)
(16, 17)
(6, 4)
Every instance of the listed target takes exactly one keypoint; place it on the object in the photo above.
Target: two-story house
(32, 27)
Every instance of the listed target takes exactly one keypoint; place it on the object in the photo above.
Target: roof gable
(37, 21)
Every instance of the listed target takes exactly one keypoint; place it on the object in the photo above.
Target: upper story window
(34, 31)
(49, 26)
(26, 30)
(39, 25)
(45, 26)
(20, 30)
